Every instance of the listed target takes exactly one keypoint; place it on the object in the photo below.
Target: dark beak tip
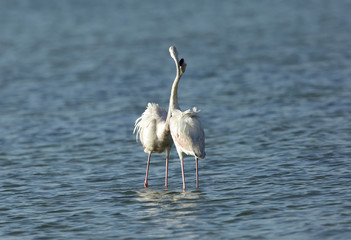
(181, 62)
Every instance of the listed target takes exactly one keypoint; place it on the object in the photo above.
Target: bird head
(181, 64)
(174, 53)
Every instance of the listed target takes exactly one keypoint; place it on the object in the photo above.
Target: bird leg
(183, 176)
(166, 178)
(147, 170)
(197, 171)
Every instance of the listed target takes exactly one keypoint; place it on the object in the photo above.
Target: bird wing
(153, 112)
(188, 133)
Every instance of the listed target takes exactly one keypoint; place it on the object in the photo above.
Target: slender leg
(197, 172)
(147, 170)
(166, 178)
(183, 176)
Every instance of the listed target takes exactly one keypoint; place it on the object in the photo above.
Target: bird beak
(182, 65)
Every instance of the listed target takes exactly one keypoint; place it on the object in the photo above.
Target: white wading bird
(153, 125)
(186, 130)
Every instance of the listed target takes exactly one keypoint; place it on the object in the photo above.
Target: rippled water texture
(272, 81)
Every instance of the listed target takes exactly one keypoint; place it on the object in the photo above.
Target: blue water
(272, 80)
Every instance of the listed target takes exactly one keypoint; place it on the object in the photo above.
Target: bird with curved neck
(185, 127)
(152, 127)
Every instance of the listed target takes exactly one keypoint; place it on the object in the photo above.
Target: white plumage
(187, 133)
(150, 127)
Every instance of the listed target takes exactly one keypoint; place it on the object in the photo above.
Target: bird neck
(173, 100)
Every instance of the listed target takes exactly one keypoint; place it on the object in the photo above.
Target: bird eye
(181, 61)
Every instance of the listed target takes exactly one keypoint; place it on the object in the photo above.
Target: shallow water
(272, 81)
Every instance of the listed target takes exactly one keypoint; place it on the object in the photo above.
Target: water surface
(272, 81)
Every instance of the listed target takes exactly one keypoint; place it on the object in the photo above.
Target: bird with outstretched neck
(186, 129)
